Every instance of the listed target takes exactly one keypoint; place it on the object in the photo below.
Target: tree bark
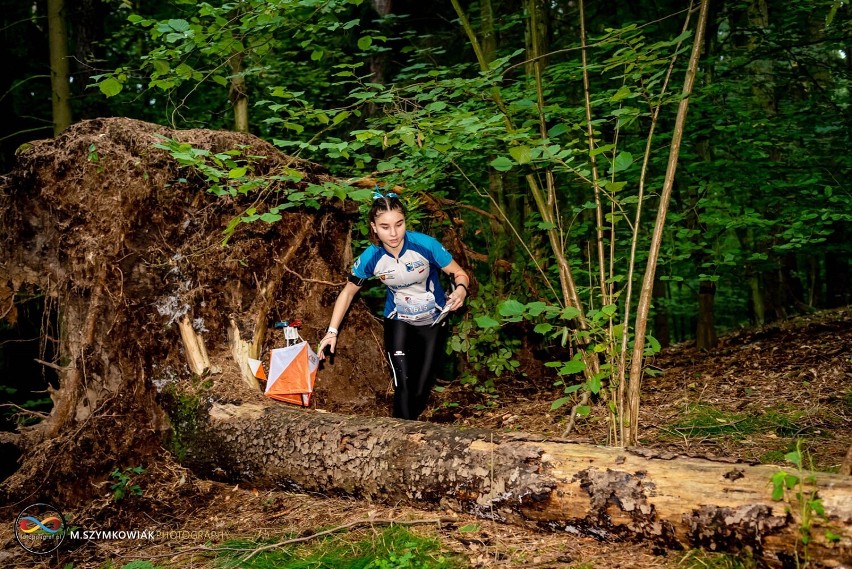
(238, 93)
(705, 336)
(609, 493)
(645, 295)
(59, 74)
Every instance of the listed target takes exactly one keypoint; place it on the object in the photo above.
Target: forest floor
(752, 398)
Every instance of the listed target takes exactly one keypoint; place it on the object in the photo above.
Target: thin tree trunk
(662, 328)
(621, 369)
(836, 275)
(706, 338)
(590, 139)
(644, 305)
(86, 22)
(705, 332)
(238, 93)
(501, 248)
(59, 74)
(569, 296)
(378, 61)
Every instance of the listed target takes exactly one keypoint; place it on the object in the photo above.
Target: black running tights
(414, 353)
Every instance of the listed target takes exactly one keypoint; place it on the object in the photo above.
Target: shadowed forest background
(757, 224)
(608, 226)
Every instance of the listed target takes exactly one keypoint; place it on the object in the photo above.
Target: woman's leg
(414, 353)
(426, 348)
(396, 333)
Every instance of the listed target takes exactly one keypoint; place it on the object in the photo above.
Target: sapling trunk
(646, 293)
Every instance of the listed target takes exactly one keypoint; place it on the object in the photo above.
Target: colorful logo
(40, 528)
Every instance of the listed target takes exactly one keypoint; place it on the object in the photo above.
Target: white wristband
(332, 330)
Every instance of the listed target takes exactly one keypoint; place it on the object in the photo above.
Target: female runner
(407, 262)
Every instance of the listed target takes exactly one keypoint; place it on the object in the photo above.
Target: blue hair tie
(377, 195)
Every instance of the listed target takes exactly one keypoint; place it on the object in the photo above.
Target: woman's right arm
(341, 306)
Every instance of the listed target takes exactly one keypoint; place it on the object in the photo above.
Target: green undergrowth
(699, 559)
(391, 547)
(703, 421)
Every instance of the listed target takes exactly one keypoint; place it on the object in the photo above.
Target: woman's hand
(456, 298)
(330, 341)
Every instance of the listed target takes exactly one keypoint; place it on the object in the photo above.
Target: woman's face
(390, 228)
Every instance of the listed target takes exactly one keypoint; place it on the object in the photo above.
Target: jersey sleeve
(364, 265)
(439, 253)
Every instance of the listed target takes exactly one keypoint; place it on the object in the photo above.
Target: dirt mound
(125, 243)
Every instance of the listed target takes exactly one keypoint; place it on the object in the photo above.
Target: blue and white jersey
(414, 292)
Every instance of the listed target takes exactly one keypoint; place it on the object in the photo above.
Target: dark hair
(382, 204)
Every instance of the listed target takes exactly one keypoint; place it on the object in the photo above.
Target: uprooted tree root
(127, 247)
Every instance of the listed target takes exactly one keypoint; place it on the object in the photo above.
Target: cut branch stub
(193, 345)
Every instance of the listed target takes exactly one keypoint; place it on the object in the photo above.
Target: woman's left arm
(461, 281)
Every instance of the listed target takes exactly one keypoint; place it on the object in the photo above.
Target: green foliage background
(760, 212)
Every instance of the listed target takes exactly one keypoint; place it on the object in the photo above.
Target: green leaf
(110, 86)
(316, 55)
(296, 127)
(572, 366)
(791, 480)
(237, 172)
(559, 403)
(486, 322)
(502, 164)
(270, 217)
(160, 67)
(654, 346)
(556, 130)
(510, 308)
(614, 186)
(594, 384)
(469, 528)
(340, 117)
(521, 154)
(543, 328)
(622, 93)
(569, 313)
(795, 457)
(535, 308)
(365, 42)
(622, 162)
(232, 225)
(601, 149)
(179, 25)
(583, 410)
(778, 485)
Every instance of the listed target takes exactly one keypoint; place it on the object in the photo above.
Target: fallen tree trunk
(677, 502)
